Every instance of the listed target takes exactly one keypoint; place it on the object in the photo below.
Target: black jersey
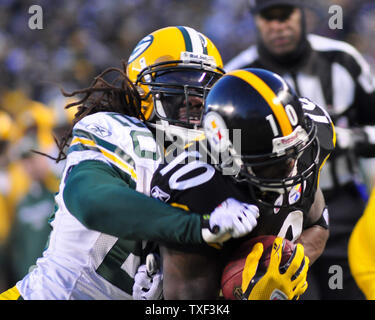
(190, 181)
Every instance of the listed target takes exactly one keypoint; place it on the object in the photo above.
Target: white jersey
(84, 264)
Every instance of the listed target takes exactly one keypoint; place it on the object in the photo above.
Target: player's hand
(148, 281)
(275, 284)
(231, 218)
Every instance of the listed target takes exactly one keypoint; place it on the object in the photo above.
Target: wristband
(323, 221)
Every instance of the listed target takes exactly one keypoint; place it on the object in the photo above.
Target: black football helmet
(258, 133)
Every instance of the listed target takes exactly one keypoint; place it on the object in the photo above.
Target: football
(232, 274)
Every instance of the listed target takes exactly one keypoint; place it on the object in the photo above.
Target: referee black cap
(258, 5)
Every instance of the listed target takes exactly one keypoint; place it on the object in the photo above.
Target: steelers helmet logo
(216, 131)
(295, 194)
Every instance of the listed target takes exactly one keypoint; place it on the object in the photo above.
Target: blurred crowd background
(79, 39)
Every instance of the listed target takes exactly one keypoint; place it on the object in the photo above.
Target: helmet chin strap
(293, 173)
(159, 107)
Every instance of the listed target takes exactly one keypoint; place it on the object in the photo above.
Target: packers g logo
(141, 47)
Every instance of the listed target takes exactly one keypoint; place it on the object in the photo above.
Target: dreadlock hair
(119, 95)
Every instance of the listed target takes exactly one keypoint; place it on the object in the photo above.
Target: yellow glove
(274, 284)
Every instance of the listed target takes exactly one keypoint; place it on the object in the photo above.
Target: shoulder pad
(325, 129)
(120, 140)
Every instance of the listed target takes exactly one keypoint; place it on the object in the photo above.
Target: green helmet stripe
(188, 44)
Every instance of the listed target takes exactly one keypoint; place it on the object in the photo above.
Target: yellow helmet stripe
(266, 92)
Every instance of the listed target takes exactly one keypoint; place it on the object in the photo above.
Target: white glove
(230, 219)
(148, 281)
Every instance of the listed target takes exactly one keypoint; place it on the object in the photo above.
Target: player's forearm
(315, 235)
(314, 240)
(103, 202)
